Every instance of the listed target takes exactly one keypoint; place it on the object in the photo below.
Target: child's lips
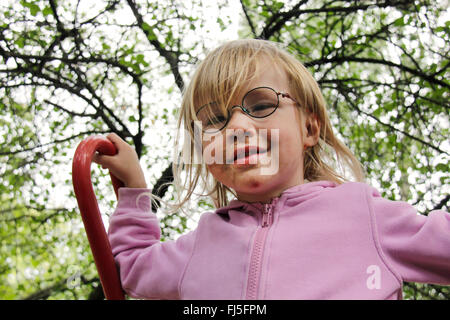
(247, 155)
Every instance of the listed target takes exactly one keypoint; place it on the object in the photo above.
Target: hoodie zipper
(258, 250)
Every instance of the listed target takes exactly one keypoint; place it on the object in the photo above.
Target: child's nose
(239, 119)
(239, 125)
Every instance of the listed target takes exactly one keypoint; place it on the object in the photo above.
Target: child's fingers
(103, 160)
(115, 139)
(124, 165)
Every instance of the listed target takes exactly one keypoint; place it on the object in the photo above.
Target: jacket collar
(290, 197)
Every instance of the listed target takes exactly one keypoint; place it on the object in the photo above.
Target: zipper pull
(267, 217)
(268, 213)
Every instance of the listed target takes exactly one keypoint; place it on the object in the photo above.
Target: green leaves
(32, 6)
(399, 22)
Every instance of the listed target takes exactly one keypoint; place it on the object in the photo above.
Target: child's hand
(124, 165)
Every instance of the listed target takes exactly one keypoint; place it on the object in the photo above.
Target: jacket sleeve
(415, 245)
(149, 269)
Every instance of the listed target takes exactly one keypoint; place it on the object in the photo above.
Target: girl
(296, 229)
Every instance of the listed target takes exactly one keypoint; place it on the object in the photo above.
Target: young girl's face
(279, 139)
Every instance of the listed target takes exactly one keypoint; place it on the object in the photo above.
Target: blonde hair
(220, 77)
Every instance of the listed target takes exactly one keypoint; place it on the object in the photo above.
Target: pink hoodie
(316, 241)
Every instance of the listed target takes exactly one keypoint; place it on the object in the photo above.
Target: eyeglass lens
(258, 103)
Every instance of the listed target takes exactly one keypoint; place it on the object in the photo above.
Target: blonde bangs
(225, 73)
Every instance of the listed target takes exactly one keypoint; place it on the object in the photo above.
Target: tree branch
(341, 59)
(60, 286)
(10, 153)
(279, 20)
(442, 203)
(161, 186)
(350, 101)
(249, 20)
(170, 56)
(73, 114)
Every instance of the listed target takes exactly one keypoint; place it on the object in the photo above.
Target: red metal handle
(90, 213)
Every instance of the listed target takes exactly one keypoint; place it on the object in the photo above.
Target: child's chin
(254, 183)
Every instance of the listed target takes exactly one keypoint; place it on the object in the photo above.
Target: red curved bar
(90, 213)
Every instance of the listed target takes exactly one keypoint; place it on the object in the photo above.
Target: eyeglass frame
(241, 106)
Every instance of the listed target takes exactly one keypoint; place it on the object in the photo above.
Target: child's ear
(312, 133)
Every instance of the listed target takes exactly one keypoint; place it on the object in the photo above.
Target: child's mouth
(247, 155)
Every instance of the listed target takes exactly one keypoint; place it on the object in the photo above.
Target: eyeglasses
(259, 102)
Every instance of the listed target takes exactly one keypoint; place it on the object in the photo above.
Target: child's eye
(261, 108)
(215, 120)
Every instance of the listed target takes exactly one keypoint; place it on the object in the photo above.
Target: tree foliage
(70, 69)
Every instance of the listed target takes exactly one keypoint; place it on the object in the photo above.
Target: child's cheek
(220, 173)
(213, 151)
